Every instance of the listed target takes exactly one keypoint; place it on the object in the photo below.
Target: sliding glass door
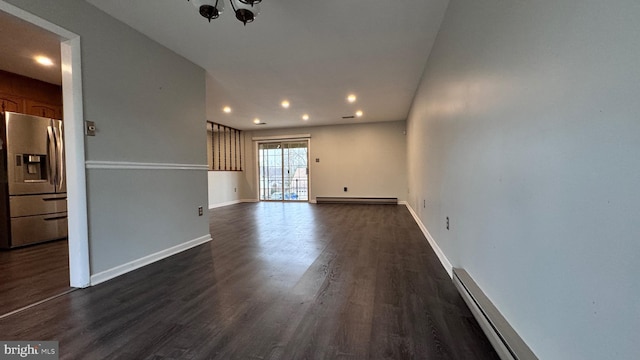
(284, 170)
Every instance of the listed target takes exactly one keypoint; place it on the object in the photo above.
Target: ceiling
(311, 53)
(20, 42)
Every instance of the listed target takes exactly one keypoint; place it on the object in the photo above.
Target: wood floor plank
(278, 281)
(33, 273)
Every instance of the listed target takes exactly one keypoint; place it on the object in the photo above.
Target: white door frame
(79, 268)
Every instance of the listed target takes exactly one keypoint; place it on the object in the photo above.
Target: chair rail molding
(127, 165)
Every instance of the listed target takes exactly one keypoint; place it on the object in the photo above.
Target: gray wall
(149, 107)
(525, 132)
(369, 159)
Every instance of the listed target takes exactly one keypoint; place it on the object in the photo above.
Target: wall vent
(502, 336)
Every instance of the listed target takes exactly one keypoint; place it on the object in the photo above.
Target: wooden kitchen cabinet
(11, 103)
(41, 109)
(30, 96)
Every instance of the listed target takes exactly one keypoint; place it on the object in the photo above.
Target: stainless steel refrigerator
(33, 194)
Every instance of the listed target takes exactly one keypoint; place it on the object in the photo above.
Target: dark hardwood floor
(33, 273)
(278, 281)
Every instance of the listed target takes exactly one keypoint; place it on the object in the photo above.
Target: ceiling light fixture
(226, 109)
(359, 113)
(351, 98)
(43, 60)
(305, 117)
(245, 10)
(285, 104)
(256, 121)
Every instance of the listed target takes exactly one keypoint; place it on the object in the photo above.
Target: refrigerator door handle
(55, 199)
(60, 172)
(51, 164)
(61, 217)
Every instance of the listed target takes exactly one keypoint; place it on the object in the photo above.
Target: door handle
(60, 171)
(56, 218)
(52, 166)
(55, 199)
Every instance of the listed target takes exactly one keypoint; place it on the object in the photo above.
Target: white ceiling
(312, 53)
(20, 42)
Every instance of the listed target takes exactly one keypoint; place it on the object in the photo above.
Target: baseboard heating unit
(356, 200)
(502, 336)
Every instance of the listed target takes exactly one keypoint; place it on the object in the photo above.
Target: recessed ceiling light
(351, 98)
(226, 109)
(359, 113)
(43, 60)
(285, 104)
(256, 121)
(305, 117)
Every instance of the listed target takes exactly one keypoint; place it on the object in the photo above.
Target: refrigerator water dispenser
(34, 168)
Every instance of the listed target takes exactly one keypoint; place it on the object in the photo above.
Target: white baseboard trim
(446, 264)
(402, 202)
(213, 206)
(143, 261)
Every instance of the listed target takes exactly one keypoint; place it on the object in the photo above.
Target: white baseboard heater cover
(502, 336)
(356, 200)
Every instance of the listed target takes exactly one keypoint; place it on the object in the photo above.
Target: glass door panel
(296, 171)
(270, 164)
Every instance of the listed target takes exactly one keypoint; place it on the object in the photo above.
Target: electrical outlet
(235, 189)
(345, 189)
(317, 159)
(447, 223)
(200, 211)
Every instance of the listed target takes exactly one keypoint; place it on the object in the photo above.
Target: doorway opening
(75, 248)
(284, 170)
